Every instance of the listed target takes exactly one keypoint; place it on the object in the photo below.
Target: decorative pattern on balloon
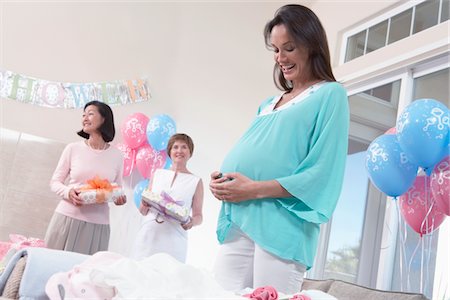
(418, 207)
(440, 185)
(145, 142)
(422, 132)
(389, 168)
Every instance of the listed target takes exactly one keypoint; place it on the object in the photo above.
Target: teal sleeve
(316, 182)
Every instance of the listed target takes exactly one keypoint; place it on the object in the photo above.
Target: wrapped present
(100, 191)
(167, 206)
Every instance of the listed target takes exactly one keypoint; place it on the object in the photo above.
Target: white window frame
(365, 26)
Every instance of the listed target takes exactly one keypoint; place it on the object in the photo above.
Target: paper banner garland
(70, 95)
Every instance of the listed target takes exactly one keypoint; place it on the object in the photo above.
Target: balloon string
(421, 266)
(427, 229)
(410, 263)
(429, 252)
(424, 228)
(402, 249)
(133, 160)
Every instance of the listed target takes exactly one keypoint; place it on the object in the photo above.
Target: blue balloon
(138, 189)
(389, 168)
(159, 130)
(168, 163)
(423, 130)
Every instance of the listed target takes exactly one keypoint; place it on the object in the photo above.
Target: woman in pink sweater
(75, 226)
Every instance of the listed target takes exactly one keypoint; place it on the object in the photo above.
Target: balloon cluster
(145, 141)
(419, 140)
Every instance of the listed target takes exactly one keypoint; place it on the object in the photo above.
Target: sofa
(348, 291)
(28, 271)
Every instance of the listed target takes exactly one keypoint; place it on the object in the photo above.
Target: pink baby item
(263, 293)
(17, 242)
(300, 297)
(20, 241)
(4, 248)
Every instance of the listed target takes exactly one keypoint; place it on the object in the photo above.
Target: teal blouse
(304, 148)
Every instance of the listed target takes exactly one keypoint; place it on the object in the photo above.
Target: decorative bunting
(70, 95)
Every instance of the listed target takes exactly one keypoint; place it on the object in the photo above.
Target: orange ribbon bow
(102, 187)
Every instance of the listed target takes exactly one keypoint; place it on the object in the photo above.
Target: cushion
(349, 291)
(12, 285)
(313, 284)
(41, 263)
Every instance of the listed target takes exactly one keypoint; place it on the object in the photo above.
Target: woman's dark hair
(107, 129)
(180, 137)
(307, 31)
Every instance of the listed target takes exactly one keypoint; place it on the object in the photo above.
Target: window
(400, 26)
(445, 10)
(431, 86)
(377, 36)
(355, 45)
(426, 15)
(409, 19)
(388, 92)
(344, 244)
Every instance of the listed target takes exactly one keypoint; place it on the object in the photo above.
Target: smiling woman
(287, 168)
(179, 188)
(77, 226)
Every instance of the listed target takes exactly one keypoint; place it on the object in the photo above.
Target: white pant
(241, 263)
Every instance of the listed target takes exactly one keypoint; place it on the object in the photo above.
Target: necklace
(90, 146)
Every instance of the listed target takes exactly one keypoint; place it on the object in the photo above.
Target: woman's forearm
(269, 189)
(197, 220)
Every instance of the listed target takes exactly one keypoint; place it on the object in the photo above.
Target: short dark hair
(306, 29)
(107, 129)
(180, 137)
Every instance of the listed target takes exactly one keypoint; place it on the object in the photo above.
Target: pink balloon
(415, 207)
(392, 130)
(440, 185)
(134, 130)
(149, 159)
(129, 157)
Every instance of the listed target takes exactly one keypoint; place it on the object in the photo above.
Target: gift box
(100, 191)
(167, 206)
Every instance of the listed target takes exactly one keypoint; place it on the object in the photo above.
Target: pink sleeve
(61, 172)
